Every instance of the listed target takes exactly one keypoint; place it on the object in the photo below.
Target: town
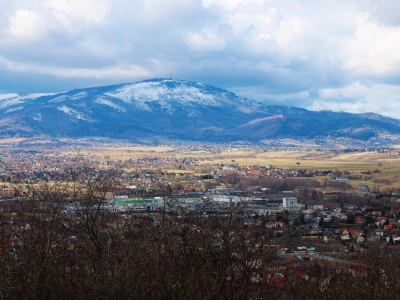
(277, 222)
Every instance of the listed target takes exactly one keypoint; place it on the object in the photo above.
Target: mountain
(176, 109)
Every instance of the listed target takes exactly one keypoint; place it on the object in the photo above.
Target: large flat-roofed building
(289, 202)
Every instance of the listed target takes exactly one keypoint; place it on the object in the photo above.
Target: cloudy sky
(341, 55)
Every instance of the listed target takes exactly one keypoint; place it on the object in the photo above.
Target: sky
(340, 55)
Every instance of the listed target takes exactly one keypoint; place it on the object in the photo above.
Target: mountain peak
(167, 93)
(176, 109)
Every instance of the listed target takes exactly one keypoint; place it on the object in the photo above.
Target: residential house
(303, 230)
(316, 231)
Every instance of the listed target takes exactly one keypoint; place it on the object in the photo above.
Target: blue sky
(341, 55)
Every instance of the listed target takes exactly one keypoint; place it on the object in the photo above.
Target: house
(269, 225)
(364, 187)
(303, 230)
(387, 227)
(359, 220)
(396, 240)
(351, 230)
(380, 221)
(345, 237)
(328, 232)
(339, 230)
(342, 179)
(328, 237)
(316, 231)
(318, 207)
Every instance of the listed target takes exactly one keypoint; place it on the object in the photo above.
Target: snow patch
(34, 96)
(109, 103)
(84, 106)
(13, 109)
(246, 110)
(72, 112)
(78, 96)
(8, 96)
(38, 117)
(168, 97)
(59, 98)
(10, 102)
(7, 100)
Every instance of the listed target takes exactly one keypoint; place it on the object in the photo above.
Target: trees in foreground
(47, 252)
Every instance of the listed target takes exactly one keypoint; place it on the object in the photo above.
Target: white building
(289, 202)
(318, 207)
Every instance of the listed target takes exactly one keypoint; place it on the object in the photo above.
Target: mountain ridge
(177, 109)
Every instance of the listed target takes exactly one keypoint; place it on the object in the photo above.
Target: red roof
(316, 229)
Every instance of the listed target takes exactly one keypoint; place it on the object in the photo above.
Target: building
(289, 202)
(318, 207)
(364, 187)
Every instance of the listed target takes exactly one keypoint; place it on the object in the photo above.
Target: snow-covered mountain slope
(169, 95)
(174, 109)
(13, 102)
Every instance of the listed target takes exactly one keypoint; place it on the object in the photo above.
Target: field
(357, 163)
(122, 153)
(11, 140)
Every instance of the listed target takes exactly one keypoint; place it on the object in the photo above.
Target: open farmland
(355, 161)
(380, 168)
(359, 163)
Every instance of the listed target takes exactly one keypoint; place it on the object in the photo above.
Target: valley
(279, 213)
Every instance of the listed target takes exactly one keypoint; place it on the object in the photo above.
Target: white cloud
(312, 53)
(374, 49)
(328, 93)
(290, 34)
(359, 89)
(111, 72)
(27, 25)
(205, 41)
(226, 4)
(358, 97)
(88, 10)
(64, 22)
(292, 96)
(353, 107)
(386, 12)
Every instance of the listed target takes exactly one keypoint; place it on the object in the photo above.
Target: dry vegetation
(354, 162)
(95, 254)
(12, 140)
(47, 254)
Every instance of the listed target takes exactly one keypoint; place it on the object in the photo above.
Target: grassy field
(122, 153)
(12, 140)
(285, 159)
(354, 162)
